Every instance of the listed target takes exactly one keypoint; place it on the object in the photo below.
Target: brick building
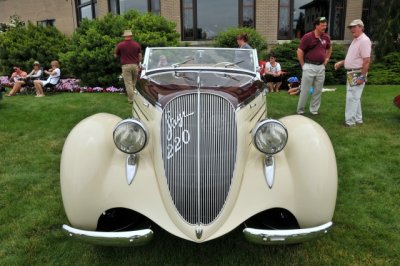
(198, 21)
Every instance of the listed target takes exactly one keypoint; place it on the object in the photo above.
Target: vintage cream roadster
(199, 158)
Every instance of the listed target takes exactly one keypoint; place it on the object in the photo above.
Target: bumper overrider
(279, 237)
(128, 238)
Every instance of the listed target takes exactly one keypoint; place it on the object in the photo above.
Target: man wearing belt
(313, 54)
(130, 55)
(357, 61)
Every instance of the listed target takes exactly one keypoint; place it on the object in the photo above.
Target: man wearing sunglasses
(313, 54)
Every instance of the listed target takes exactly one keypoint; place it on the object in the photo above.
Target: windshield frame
(224, 61)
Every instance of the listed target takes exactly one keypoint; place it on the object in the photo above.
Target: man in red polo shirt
(130, 54)
(313, 54)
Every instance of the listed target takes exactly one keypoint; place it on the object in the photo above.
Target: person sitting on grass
(16, 75)
(272, 74)
(54, 76)
(294, 86)
(36, 73)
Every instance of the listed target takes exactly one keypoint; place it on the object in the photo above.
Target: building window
(337, 19)
(187, 20)
(121, 6)
(368, 13)
(284, 21)
(304, 12)
(86, 9)
(247, 13)
(311, 11)
(46, 23)
(203, 20)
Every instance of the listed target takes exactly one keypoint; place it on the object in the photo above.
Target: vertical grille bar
(199, 162)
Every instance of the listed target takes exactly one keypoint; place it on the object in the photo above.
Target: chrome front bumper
(129, 238)
(279, 237)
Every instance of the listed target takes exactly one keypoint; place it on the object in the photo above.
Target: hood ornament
(199, 232)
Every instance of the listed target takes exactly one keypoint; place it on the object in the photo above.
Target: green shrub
(23, 45)
(386, 70)
(90, 53)
(155, 31)
(228, 39)
(331, 75)
(286, 55)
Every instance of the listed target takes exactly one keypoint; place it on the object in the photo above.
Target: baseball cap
(36, 63)
(356, 22)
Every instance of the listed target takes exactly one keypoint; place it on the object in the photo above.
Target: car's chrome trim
(291, 236)
(269, 170)
(203, 69)
(137, 122)
(199, 145)
(128, 238)
(260, 125)
(131, 167)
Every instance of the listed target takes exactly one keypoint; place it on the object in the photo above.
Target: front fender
(311, 159)
(87, 155)
(93, 177)
(305, 181)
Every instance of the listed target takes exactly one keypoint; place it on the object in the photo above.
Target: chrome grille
(198, 141)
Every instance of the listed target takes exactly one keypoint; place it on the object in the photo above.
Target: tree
(387, 23)
(22, 45)
(90, 53)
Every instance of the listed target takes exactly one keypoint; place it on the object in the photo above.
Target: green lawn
(367, 216)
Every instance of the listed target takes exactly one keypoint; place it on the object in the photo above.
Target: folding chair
(51, 88)
(29, 87)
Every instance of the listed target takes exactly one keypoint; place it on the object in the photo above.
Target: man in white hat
(130, 55)
(356, 63)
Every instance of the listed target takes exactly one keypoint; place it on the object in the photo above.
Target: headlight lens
(130, 136)
(270, 136)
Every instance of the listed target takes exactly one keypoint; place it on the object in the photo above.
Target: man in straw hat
(356, 63)
(129, 53)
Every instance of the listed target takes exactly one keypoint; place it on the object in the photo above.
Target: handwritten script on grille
(174, 143)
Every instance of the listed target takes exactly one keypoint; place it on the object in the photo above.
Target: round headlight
(270, 136)
(130, 136)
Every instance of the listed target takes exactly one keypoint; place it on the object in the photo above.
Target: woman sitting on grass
(54, 76)
(36, 73)
(17, 74)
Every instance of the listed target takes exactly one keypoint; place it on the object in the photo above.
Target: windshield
(200, 58)
(203, 79)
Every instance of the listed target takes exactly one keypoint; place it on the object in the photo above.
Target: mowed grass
(367, 216)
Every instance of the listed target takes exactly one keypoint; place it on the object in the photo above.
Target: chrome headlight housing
(130, 136)
(270, 136)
